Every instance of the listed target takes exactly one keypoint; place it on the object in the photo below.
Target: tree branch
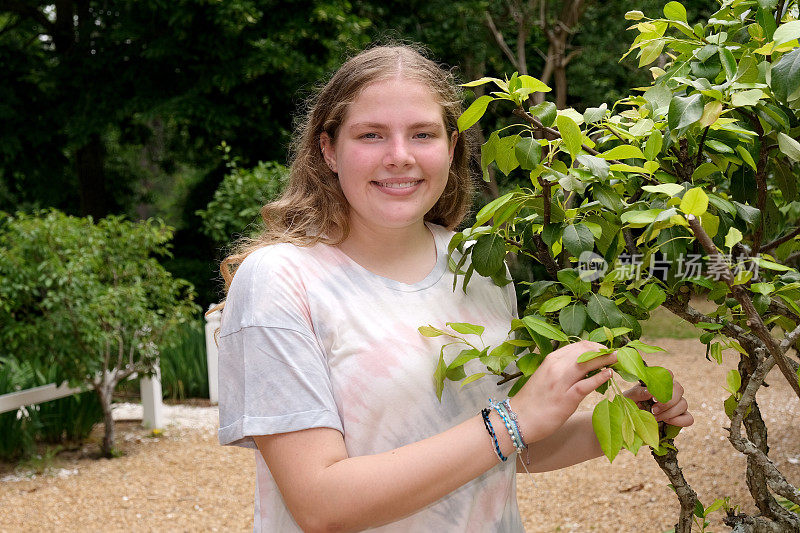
(500, 41)
(700, 147)
(777, 482)
(777, 242)
(753, 318)
(686, 495)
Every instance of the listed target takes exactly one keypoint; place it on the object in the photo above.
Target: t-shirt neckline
(431, 279)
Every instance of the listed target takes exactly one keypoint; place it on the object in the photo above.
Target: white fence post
(212, 355)
(152, 407)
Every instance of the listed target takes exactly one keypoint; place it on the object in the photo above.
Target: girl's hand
(554, 391)
(675, 412)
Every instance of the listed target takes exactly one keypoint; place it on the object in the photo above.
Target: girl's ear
(453, 140)
(328, 151)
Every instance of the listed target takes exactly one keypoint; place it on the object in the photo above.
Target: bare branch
(500, 41)
(777, 482)
(777, 242)
(686, 495)
(790, 339)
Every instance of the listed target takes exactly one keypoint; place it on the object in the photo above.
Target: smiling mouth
(397, 184)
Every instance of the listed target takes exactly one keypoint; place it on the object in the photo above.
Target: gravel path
(182, 480)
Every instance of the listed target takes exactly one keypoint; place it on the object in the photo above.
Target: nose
(398, 153)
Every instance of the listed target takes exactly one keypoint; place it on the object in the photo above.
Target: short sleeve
(273, 374)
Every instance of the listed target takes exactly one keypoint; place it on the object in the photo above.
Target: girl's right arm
(325, 490)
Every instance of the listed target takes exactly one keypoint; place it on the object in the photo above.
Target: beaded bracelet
(509, 418)
(490, 429)
(510, 424)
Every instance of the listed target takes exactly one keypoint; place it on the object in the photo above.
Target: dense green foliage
(89, 301)
(690, 184)
(234, 210)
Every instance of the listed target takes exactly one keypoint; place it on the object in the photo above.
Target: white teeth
(398, 185)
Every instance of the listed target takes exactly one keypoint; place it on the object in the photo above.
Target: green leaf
(577, 239)
(483, 81)
(455, 373)
(646, 427)
(786, 180)
(570, 134)
(747, 98)
(751, 215)
(429, 331)
(684, 111)
(489, 153)
(572, 319)
(474, 112)
(473, 377)
(543, 328)
(652, 296)
(728, 63)
(733, 237)
(694, 202)
(439, 376)
(670, 189)
(746, 156)
(597, 166)
(624, 151)
(659, 383)
(608, 197)
(715, 352)
(639, 219)
(786, 32)
(466, 329)
(654, 144)
(675, 11)
(734, 381)
(554, 304)
(631, 361)
(790, 147)
(604, 312)
(506, 156)
(634, 15)
(533, 84)
(594, 114)
(488, 254)
(730, 405)
(528, 152)
(650, 52)
(571, 280)
(546, 112)
(607, 424)
(698, 509)
(786, 75)
(464, 357)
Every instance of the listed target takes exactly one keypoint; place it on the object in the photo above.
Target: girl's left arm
(575, 441)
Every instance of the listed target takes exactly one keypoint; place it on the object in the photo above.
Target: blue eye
(369, 136)
(423, 135)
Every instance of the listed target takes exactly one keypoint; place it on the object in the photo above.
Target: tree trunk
(104, 393)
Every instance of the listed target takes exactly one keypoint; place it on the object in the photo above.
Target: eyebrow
(414, 126)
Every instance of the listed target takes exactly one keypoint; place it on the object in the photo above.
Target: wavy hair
(313, 208)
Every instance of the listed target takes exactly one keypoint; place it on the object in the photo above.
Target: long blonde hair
(313, 208)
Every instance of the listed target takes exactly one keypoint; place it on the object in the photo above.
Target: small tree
(88, 298)
(688, 186)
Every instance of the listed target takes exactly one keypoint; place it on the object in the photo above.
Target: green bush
(184, 368)
(238, 200)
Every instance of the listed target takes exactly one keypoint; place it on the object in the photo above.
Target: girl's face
(392, 155)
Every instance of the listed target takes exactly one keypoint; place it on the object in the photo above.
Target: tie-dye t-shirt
(310, 338)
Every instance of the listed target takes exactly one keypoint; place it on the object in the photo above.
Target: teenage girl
(322, 368)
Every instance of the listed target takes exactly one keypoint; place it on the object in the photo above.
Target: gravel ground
(181, 480)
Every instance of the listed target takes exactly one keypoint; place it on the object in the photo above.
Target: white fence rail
(150, 390)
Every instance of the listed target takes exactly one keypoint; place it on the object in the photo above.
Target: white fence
(150, 390)
(212, 324)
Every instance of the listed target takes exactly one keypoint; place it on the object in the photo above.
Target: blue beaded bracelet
(488, 424)
(510, 425)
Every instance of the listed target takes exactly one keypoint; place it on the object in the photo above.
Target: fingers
(638, 393)
(666, 413)
(587, 385)
(684, 420)
(598, 362)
